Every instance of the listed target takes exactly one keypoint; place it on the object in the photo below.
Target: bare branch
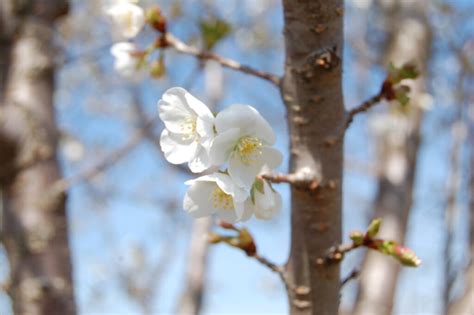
(278, 270)
(301, 180)
(365, 106)
(353, 275)
(183, 48)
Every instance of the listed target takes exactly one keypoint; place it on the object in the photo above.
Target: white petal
(268, 204)
(223, 145)
(226, 183)
(271, 157)
(232, 216)
(176, 153)
(205, 129)
(244, 174)
(248, 120)
(199, 108)
(197, 201)
(200, 162)
(173, 109)
(249, 210)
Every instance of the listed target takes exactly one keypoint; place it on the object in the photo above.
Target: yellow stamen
(188, 128)
(249, 148)
(221, 200)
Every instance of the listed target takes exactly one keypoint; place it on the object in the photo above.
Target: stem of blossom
(295, 179)
(181, 47)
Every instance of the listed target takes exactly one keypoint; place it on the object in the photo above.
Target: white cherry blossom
(127, 17)
(217, 194)
(244, 140)
(125, 63)
(189, 129)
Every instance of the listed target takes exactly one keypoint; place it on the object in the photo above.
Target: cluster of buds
(402, 254)
(242, 239)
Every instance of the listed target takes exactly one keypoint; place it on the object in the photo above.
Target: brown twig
(363, 107)
(278, 270)
(181, 47)
(354, 274)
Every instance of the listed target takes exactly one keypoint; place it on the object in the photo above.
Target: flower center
(221, 200)
(188, 128)
(249, 148)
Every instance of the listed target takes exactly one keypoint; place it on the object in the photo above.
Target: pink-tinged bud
(406, 256)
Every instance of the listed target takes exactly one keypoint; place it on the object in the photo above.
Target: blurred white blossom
(127, 17)
(125, 63)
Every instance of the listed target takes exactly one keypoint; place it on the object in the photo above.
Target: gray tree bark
(312, 93)
(34, 229)
(397, 159)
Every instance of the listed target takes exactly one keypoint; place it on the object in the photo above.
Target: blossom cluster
(236, 143)
(128, 19)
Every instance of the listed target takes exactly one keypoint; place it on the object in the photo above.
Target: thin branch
(365, 106)
(353, 275)
(277, 269)
(301, 180)
(183, 48)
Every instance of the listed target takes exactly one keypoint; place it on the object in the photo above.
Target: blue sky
(135, 214)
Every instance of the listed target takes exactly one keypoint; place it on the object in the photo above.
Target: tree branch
(365, 106)
(181, 47)
(300, 180)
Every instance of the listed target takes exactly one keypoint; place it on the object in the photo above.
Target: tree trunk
(191, 300)
(35, 230)
(397, 156)
(465, 303)
(312, 91)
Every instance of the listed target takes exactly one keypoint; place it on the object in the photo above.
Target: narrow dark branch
(183, 48)
(278, 270)
(353, 275)
(365, 106)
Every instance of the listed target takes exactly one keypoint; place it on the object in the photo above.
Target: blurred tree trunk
(34, 229)
(191, 299)
(312, 93)
(465, 303)
(397, 154)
